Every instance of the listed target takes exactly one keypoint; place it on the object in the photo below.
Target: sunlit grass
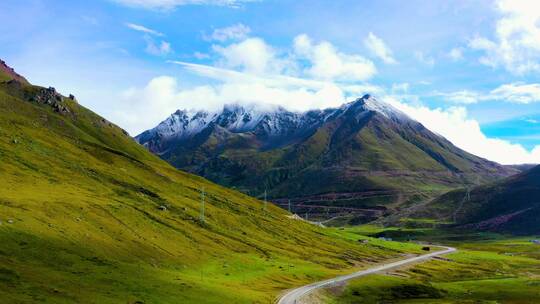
(505, 270)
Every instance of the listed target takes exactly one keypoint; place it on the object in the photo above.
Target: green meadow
(491, 268)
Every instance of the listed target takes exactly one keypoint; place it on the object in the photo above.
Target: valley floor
(487, 268)
(300, 294)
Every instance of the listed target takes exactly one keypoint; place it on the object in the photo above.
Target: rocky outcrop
(49, 96)
(18, 86)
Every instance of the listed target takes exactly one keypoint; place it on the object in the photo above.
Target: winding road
(293, 296)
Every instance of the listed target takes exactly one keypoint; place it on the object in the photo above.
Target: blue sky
(468, 70)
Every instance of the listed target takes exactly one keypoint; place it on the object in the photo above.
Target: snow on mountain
(184, 123)
(369, 103)
(262, 121)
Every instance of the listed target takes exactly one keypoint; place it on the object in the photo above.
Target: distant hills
(364, 154)
(511, 205)
(87, 215)
(522, 167)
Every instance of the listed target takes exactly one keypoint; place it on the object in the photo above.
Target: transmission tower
(202, 205)
(289, 206)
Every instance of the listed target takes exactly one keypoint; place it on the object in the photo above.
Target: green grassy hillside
(511, 205)
(89, 216)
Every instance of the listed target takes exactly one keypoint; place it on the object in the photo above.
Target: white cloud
(400, 87)
(377, 46)
(456, 53)
(357, 90)
(171, 4)
(252, 55)
(464, 132)
(319, 61)
(152, 47)
(327, 63)
(510, 92)
(425, 59)
(234, 32)
(516, 46)
(143, 108)
(227, 75)
(165, 47)
(158, 49)
(463, 96)
(143, 29)
(518, 93)
(276, 80)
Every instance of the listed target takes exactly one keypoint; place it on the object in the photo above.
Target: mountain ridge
(363, 145)
(252, 118)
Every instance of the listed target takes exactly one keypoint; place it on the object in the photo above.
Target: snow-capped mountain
(364, 145)
(270, 125)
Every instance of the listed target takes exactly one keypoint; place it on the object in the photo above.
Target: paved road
(293, 296)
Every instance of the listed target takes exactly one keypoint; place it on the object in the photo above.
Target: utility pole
(202, 205)
(289, 206)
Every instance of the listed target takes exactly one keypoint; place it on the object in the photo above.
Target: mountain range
(365, 154)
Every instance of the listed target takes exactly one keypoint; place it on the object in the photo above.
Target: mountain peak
(362, 100)
(370, 103)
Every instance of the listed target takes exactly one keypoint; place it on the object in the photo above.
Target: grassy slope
(493, 269)
(511, 205)
(80, 221)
